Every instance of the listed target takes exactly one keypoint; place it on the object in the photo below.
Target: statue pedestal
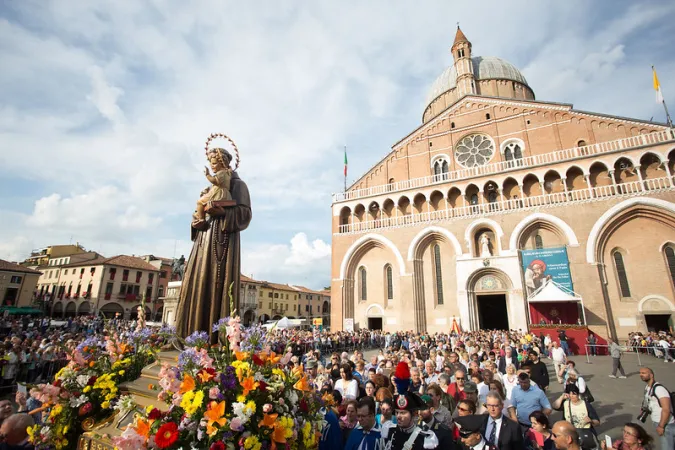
(171, 303)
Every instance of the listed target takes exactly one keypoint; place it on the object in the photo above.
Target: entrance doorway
(375, 323)
(657, 322)
(492, 313)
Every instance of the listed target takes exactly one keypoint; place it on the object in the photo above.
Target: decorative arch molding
(363, 241)
(415, 243)
(659, 298)
(439, 157)
(542, 217)
(614, 211)
(480, 273)
(473, 226)
(375, 310)
(518, 141)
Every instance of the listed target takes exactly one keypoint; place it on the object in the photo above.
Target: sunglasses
(459, 378)
(463, 409)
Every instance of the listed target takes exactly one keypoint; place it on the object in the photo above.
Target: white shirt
(558, 355)
(483, 390)
(491, 423)
(480, 446)
(654, 405)
(348, 389)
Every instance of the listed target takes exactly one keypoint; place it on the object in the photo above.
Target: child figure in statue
(219, 159)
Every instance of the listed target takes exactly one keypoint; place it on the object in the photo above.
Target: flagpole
(345, 169)
(657, 87)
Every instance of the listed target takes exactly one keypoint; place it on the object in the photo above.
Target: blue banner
(546, 264)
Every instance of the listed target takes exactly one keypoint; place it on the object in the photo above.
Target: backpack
(671, 393)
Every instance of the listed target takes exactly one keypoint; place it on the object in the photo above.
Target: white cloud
(106, 105)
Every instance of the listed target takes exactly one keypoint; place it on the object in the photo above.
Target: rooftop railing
(498, 167)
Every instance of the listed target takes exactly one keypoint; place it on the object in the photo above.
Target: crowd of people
(475, 390)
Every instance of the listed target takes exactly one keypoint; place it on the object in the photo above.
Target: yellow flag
(657, 87)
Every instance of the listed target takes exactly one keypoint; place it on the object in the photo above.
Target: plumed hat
(408, 402)
(402, 377)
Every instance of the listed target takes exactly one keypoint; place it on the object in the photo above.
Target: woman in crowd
(386, 413)
(579, 413)
(347, 386)
(574, 378)
(634, 438)
(349, 420)
(441, 413)
(510, 379)
(540, 434)
(464, 408)
(370, 389)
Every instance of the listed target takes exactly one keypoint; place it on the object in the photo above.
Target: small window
(621, 274)
(431, 144)
(538, 242)
(65, 272)
(363, 290)
(487, 116)
(452, 125)
(276, 295)
(269, 294)
(160, 292)
(16, 279)
(581, 143)
(390, 282)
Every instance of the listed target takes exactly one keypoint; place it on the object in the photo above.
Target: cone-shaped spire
(459, 37)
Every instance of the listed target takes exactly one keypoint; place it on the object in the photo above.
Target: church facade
(501, 211)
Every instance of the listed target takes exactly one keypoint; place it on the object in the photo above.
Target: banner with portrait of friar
(544, 264)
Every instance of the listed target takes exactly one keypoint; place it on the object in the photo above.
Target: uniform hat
(408, 402)
(470, 387)
(427, 400)
(469, 425)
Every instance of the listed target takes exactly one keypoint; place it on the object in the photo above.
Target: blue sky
(105, 106)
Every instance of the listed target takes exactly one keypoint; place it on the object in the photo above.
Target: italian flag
(345, 162)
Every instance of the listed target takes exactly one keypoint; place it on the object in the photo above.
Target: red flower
(57, 383)
(302, 405)
(154, 414)
(262, 385)
(218, 445)
(257, 361)
(85, 409)
(167, 435)
(91, 381)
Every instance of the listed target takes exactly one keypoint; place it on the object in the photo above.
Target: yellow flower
(121, 372)
(192, 401)
(252, 443)
(241, 398)
(105, 405)
(250, 406)
(86, 389)
(66, 429)
(149, 408)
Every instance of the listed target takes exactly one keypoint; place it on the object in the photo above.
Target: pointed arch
(572, 240)
(419, 239)
(364, 243)
(476, 224)
(592, 250)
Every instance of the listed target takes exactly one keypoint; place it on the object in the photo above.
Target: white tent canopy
(284, 323)
(554, 292)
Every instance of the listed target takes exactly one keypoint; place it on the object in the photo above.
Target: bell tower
(461, 53)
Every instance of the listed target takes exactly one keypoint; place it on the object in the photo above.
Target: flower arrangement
(86, 390)
(236, 395)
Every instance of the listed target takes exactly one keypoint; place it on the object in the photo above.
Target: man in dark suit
(538, 370)
(498, 429)
(510, 358)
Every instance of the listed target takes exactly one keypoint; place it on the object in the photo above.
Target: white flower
(82, 380)
(292, 396)
(77, 402)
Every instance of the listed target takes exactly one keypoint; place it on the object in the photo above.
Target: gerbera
(167, 435)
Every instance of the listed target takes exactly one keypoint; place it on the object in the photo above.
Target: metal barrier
(628, 349)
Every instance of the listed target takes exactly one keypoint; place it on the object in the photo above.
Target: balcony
(249, 304)
(592, 194)
(506, 166)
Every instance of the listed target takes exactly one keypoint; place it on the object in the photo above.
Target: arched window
(492, 197)
(474, 199)
(439, 275)
(581, 143)
(437, 168)
(444, 166)
(362, 284)
(513, 151)
(440, 169)
(538, 242)
(621, 274)
(670, 260)
(508, 154)
(390, 282)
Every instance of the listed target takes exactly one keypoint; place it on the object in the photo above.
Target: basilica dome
(484, 68)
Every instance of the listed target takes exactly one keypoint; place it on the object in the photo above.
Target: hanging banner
(348, 325)
(544, 264)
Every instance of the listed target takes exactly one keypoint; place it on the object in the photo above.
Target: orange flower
(143, 427)
(268, 420)
(188, 384)
(151, 387)
(241, 355)
(214, 414)
(249, 385)
(206, 375)
(303, 384)
(91, 364)
(278, 435)
(274, 359)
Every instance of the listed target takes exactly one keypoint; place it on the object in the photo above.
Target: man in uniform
(406, 434)
(470, 433)
(429, 423)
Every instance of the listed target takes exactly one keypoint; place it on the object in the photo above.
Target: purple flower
(221, 324)
(197, 339)
(228, 379)
(187, 357)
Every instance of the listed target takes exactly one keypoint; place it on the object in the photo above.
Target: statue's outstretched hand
(206, 171)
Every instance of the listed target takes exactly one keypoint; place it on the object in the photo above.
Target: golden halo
(224, 136)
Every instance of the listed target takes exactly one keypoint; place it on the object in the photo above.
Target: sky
(105, 106)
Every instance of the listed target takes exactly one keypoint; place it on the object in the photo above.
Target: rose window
(475, 150)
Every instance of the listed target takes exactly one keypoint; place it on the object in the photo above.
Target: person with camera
(579, 413)
(657, 405)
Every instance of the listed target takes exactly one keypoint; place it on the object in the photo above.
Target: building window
(286, 296)
(439, 275)
(362, 284)
(390, 282)
(276, 295)
(163, 274)
(148, 292)
(269, 294)
(151, 278)
(670, 260)
(16, 279)
(65, 272)
(512, 151)
(538, 241)
(125, 275)
(160, 292)
(581, 143)
(487, 116)
(294, 307)
(138, 276)
(492, 197)
(261, 294)
(270, 305)
(452, 125)
(621, 274)
(474, 199)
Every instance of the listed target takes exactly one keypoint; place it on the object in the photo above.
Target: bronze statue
(214, 266)
(178, 268)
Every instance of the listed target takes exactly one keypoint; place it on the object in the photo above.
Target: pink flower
(267, 408)
(129, 440)
(205, 360)
(236, 425)
(213, 393)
